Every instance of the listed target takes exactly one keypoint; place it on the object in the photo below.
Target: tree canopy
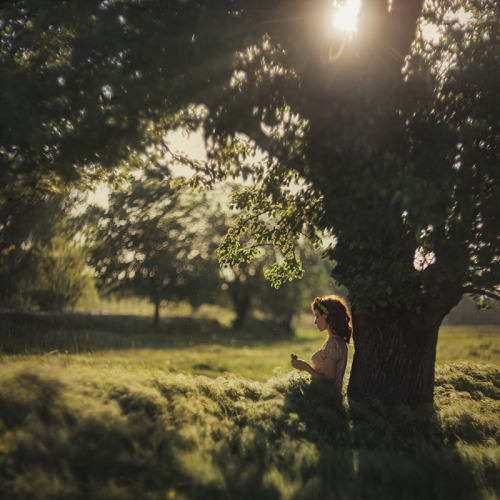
(410, 155)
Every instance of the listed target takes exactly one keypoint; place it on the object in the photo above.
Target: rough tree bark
(394, 359)
(395, 353)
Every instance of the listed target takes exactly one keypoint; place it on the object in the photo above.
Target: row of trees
(387, 142)
(154, 238)
(159, 239)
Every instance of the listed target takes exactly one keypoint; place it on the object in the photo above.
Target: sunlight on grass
(478, 343)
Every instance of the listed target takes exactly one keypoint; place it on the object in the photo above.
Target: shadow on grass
(407, 452)
(369, 452)
(35, 333)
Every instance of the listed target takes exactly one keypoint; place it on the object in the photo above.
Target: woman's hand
(300, 364)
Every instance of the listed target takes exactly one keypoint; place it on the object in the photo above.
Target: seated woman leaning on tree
(329, 362)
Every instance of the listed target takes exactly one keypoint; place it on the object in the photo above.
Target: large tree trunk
(395, 353)
(393, 360)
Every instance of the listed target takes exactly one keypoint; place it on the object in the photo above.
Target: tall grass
(74, 431)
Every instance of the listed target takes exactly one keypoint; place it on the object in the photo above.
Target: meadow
(106, 407)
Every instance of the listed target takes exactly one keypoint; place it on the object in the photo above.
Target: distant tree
(146, 242)
(56, 276)
(41, 263)
(245, 285)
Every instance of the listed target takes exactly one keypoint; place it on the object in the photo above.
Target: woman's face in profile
(320, 321)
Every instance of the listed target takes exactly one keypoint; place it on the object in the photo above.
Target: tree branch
(404, 16)
(486, 293)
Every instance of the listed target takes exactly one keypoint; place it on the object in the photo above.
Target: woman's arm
(328, 374)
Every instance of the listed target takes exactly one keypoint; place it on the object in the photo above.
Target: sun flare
(346, 17)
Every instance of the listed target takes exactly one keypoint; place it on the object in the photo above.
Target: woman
(328, 363)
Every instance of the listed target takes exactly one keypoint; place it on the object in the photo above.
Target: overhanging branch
(477, 291)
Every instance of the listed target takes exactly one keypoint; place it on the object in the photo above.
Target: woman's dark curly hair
(337, 315)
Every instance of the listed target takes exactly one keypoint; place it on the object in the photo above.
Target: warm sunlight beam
(346, 17)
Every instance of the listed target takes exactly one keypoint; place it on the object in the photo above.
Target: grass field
(108, 408)
(473, 343)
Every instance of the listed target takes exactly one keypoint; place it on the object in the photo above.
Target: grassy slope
(192, 416)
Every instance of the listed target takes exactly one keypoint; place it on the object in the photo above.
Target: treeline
(154, 237)
(157, 239)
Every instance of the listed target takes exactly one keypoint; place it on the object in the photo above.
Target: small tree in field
(147, 242)
(41, 263)
(56, 276)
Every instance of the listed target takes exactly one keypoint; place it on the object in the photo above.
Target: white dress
(334, 348)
